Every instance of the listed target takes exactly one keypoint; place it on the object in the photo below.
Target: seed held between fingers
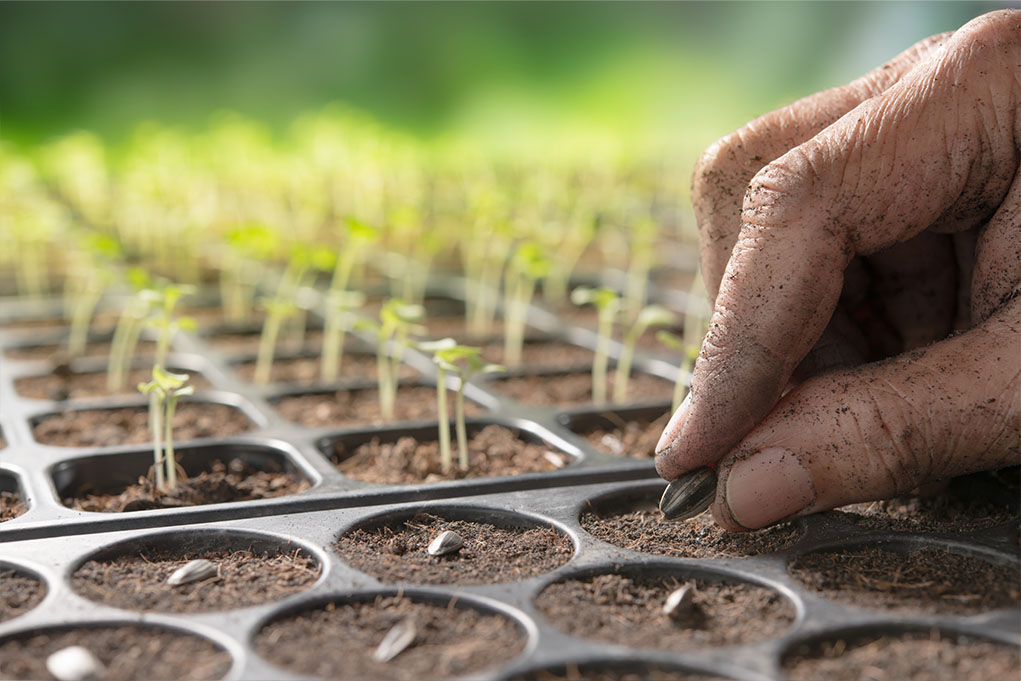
(688, 495)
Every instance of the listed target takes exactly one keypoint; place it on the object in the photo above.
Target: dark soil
(927, 514)
(543, 354)
(931, 581)
(11, 506)
(19, 593)
(128, 653)
(64, 384)
(639, 526)
(247, 342)
(58, 352)
(636, 671)
(632, 438)
(490, 555)
(124, 425)
(306, 369)
(629, 611)
(337, 641)
(492, 451)
(916, 657)
(233, 481)
(138, 582)
(361, 406)
(562, 390)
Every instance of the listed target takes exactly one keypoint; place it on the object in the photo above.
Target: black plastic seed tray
(547, 646)
(50, 540)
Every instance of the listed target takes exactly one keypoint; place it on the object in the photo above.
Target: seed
(680, 604)
(193, 571)
(447, 542)
(74, 663)
(555, 459)
(400, 636)
(688, 495)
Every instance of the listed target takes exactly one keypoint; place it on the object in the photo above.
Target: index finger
(936, 148)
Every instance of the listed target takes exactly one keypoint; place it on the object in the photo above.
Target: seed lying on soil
(446, 542)
(74, 663)
(554, 458)
(688, 495)
(680, 604)
(193, 571)
(396, 640)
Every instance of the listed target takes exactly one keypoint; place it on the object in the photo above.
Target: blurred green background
(683, 73)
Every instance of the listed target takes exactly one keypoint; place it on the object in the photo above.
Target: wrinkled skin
(844, 240)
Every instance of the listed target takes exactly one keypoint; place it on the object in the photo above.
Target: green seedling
(164, 322)
(527, 266)
(129, 328)
(303, 259)
(641, 237)
(245, 251)
(397, 320)
(359, 238)
(340, 307)
(650, 315)
(688, 355)
(87, 280)
(483, 250)
(607, 303)
(464, 362)
(164, 390)
(278, 310)
(574, 237)
(696, 323)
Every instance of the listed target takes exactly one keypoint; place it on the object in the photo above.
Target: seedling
(641, 237)
(277, 311)
(88, 277)
(129, 328)
(688, 354)
(164, 390)
(464, 362)
(527, 266)
(397, 319)
(340, 307)
(359, 237)
(696, 318)
(246, 248)
(164, 321)
(607, 304)
(483, 250)
(650, 315)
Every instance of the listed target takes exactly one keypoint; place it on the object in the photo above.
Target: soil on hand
(19, 593)
(360, 407)
(58, 352)
(492, 451)
(638, 671)
(927, 514)
(542, 354)
(244, 578)
(931, 581)
(306, 369)
(222, 483)
(338, 640)
(635, 438)
(247, 342)
(130, 425)
(563, 390)
(127, 653)
(928, 656)
(629, 611)
(11, 505)
(64, 384)
(490, 555)
(639, 526)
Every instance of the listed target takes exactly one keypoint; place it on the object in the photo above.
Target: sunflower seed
(400, 636)
(689, 494)
(193, 571)
(74, 663)
(447, 542)
(555, 459)
(680, 604)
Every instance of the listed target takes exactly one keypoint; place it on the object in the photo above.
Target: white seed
(74, 663)
(447, 542)
(612, 443)
(554, 458)
(193, 571)
(680, 603)
(396, 641)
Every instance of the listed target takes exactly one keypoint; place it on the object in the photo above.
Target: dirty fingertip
(768, 486)
(667, 447)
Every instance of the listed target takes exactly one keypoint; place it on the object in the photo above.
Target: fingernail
(673, 428)
(766, 487)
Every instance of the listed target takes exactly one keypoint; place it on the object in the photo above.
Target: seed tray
(547, 647)
(50, 540)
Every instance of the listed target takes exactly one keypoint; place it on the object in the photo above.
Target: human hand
(848, 227)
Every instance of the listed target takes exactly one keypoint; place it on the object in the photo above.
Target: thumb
(881, 429)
